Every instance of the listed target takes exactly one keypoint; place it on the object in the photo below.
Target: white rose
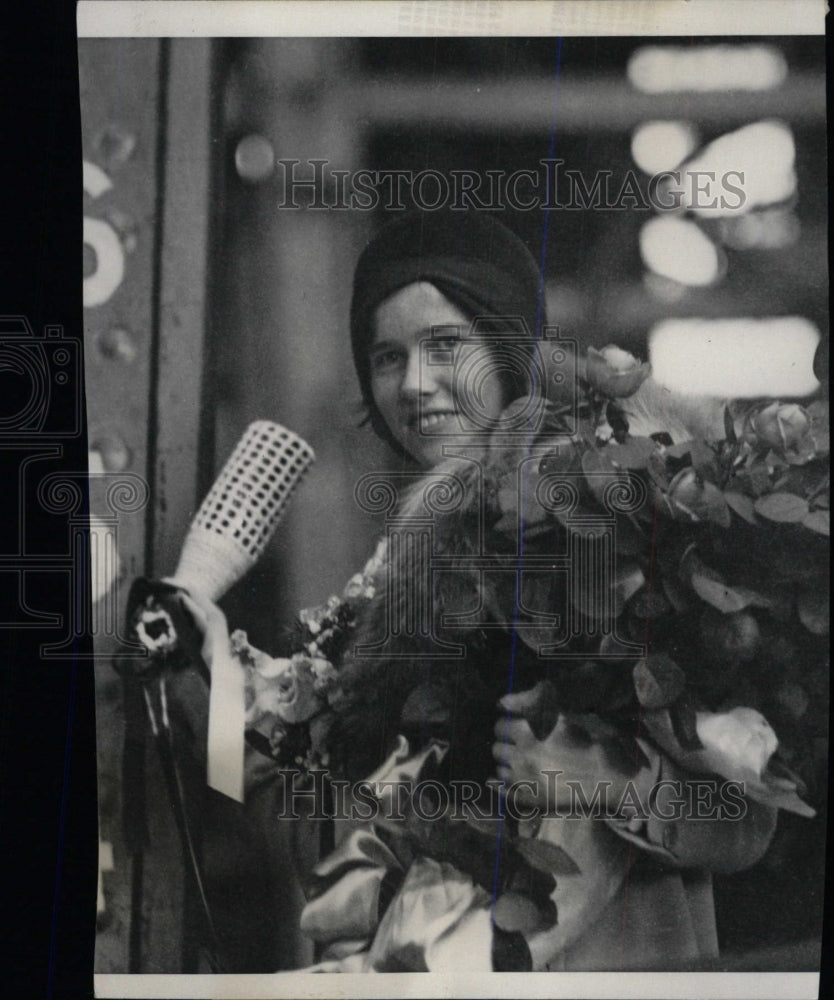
(285, 688)
(614, 372)
(618, 359)
(737, 744)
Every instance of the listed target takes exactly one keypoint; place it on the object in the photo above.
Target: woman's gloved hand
(543, 770)
(209, 621)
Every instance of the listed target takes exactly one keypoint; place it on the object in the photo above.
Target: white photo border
(474, 18)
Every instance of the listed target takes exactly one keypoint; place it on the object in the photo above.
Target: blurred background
(215, 295)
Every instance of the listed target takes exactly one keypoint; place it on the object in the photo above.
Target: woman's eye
(382, 360)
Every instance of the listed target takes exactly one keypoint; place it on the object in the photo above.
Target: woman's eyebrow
(383, 345)
(442, 331)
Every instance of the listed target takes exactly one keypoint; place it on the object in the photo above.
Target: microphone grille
(249, 496)
(242, 509)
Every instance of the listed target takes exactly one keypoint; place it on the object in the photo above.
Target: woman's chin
(428, 453)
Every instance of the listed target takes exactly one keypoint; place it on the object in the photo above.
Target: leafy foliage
(723, 579)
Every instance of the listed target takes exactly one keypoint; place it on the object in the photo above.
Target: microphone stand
(151, 675)
(156, 702)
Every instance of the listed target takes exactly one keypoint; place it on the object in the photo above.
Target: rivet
(115, 454)
(117, 344)
(254, 158)
(115, 145)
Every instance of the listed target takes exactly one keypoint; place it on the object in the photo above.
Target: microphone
(242, 509)
(228, 535)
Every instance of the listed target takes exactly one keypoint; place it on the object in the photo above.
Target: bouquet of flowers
(710, 642)
(287, 696)
(721, 573)
(720, 579)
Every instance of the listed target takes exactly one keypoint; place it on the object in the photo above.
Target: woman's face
(417, 373)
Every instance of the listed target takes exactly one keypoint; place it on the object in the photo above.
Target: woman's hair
(473, 259)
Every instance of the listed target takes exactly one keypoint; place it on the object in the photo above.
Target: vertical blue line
(537, 337)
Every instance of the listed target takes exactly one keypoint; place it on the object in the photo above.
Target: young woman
(436, 295)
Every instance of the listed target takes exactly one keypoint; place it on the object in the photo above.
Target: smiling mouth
(427, 421)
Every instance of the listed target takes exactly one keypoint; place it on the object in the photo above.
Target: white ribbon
(226, 723)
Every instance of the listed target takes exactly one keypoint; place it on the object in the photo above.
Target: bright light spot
(659, 69)
(736, 358)
(105, 864)
(657, 146)
(740, 171)
(678, 249)
(104, 563)
(765, 230)
(95, 180)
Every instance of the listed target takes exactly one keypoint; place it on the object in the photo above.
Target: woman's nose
(418, 377)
